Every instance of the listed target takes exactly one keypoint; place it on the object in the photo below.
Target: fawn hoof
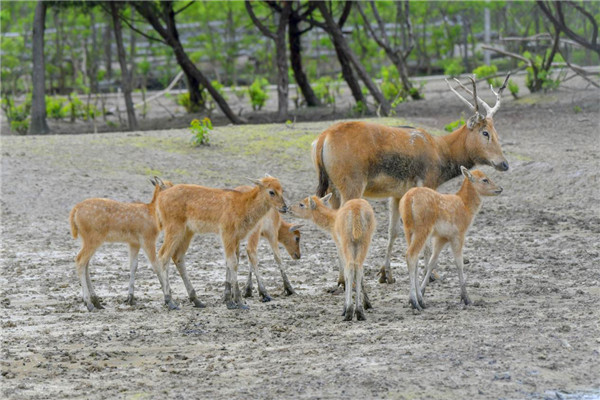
(434, 276)
(96, 303)
(265, 298)
(349, 314)
(130, 300)
(466, 300)
(171, 305)
(198, 303)
(360, 315)
(232, 305)
(385, 277)
(90, 307)
(415, 304)
(289, 291)
(248, 291)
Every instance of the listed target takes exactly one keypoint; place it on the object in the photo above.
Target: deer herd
(352, 160)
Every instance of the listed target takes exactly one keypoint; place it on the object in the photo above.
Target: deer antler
(467, 102)
(490, 111)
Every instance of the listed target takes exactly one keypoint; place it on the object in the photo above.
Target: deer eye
(485, 181)
(486, 134)
(271, 193)
(301, 205)
(297, 239)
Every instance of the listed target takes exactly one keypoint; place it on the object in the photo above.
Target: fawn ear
(466, 173)
(257, 182)
(152, 181)
(312, 204)
(268, 176)
(325, 199)
(160, 183)
(296, 227)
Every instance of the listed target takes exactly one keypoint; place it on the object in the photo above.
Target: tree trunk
(171, 36)
(38, 124)
(59, 52)
(283, 80)
(296, 60)
(339, 41)
(108, 50)
(93, 69)
(125, 76)
(348, 75)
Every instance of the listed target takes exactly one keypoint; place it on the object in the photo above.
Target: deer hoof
(265, 298)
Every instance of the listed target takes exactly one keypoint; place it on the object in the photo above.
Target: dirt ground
(533, 274)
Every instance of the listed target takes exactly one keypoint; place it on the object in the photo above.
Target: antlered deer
(356, 159)
(445, 218)
(98, 221)
(273, 228)
(351, 228)
(185, 210)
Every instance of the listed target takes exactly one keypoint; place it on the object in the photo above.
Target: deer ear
(466, 173)
(311, 203)
(257, 182)
(160, 183)
(152, 181)
(296, 227)
(268, 176)
(325, 199)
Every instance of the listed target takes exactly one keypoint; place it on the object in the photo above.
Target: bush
(324, 89)
(486, 71)
(452, 126)
(538, 78)
(257, 93)
(513, 87)
(18, 116)
(184, 100)
(200, 130)
(452, 67)
(359, 108)
(55, 107)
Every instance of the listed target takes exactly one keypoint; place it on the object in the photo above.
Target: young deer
(352, 228)
(185, 210)
(98, 221)
(274, 229)
(363, 159)
(445, 218)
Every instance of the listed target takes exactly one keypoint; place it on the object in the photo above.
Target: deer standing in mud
(351, 228)
(185, 210)
(363, 159)
(273, 228)
(445, 218)
(98, 221)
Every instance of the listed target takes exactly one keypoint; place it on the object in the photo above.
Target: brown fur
(356, 159)
(185, 210)
(351, 228)
(273, 228)
(99, 220)
(445, 218)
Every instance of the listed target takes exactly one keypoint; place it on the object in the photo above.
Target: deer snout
(499, 190)
(296, 256)
(501, 166)
(284, 209)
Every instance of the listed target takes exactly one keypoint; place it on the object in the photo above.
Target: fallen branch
(162, 93)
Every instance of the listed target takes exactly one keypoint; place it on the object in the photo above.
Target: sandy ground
(533, 274)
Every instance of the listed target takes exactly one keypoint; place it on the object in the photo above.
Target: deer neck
(256, 206)
(324, 218)
(470, 197)
(453, 154)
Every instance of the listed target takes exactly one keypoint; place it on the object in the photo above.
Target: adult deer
(356, 159)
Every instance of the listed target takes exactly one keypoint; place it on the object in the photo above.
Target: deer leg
(173, 238)
(179, 261)
(360, 312)
(457, 245)
(133, 264)
(82, 265)
(253, 257)
(393, 230)
(287, 286)
(232, 295)
(438, 245)
(348, 303)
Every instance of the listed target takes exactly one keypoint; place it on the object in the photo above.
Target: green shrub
(55, 107)
(18, 116)
(324, 89)
(452, 126)
(200, 130)
(183, 100)
(538, 78)
(359, 108)
(486, 71)
(452, 67)
(513, 87)
(257, 93)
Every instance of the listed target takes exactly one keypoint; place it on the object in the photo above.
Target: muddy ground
(533, 274)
